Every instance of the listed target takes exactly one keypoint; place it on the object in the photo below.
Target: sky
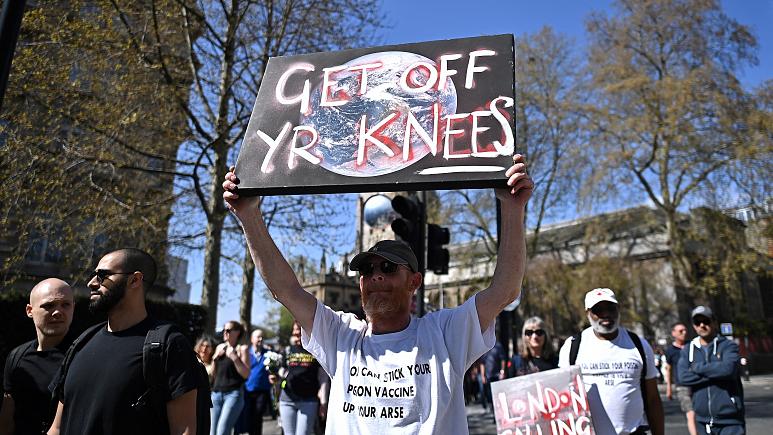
(411, 21)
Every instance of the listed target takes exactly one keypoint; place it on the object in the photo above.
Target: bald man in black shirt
(27, 404)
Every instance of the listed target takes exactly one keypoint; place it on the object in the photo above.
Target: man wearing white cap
(618, 370)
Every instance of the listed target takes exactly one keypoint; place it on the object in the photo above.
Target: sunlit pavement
(480, 421)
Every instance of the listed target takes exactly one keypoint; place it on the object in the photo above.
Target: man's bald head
(257, 337)
(51, 308)
(46, 286)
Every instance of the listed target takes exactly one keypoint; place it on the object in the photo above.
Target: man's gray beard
(598, 328)
(379, 307)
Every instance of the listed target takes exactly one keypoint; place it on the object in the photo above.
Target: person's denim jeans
(226, 407)
(298, 418)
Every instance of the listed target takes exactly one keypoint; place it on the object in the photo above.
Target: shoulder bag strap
(575, 348)
(637, 342)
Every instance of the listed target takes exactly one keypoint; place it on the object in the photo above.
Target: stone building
(627, 249)
(335, 286)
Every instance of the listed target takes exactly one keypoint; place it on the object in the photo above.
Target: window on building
(156, 163)
(43, 248)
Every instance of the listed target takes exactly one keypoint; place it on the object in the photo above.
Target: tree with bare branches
(227, 47)
(669, 113)
(549, 131)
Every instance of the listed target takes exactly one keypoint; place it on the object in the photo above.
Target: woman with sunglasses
(232, 368)
(536, 353)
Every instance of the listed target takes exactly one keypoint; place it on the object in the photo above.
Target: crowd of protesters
(250, 382)
(256, 381)
(704, 374)
(134, 374)
(97, 383)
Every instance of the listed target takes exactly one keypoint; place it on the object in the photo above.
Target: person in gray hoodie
(710, 366)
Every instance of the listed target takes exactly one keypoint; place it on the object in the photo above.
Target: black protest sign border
(489, 90)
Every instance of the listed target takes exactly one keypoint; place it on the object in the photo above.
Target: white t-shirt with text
(614, 368)
(407, 382)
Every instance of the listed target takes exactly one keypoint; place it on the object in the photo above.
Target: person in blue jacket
(257, 397)
(710, 366)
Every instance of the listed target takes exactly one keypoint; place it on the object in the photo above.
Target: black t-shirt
(672, 358)
(28, 383)
(522, 367)
(227, 378)
(105, 379)
(302, 382)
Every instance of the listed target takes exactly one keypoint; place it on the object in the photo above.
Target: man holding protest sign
(395, 371)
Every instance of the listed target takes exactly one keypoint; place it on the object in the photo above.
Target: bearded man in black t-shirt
(27, 405)
(101, 391)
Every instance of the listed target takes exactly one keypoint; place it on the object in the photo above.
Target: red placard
(553, 402)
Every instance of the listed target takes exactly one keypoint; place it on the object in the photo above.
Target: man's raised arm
(511, 257)
(276, 272)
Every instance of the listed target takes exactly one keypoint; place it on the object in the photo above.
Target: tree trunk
(680, 263)
(645, 309)
(248, 286)
(215, 206)
(210, 292)
(211, 289)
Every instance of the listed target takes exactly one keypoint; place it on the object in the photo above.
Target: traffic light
(408, 226)
(437, 255)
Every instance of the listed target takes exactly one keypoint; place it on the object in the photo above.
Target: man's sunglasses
(529, 332)
(600, 310)
(386, 267)
(102, 275)
(698, 321)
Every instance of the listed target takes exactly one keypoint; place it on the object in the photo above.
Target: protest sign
(553, 402)
(402, 117)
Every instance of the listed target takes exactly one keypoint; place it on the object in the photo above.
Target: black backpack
(575, 348)
(153, 356)
(14, 358)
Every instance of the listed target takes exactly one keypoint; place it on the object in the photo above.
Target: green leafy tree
(285, 326)
(612, 250)
(85, 167)
(725, 267)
